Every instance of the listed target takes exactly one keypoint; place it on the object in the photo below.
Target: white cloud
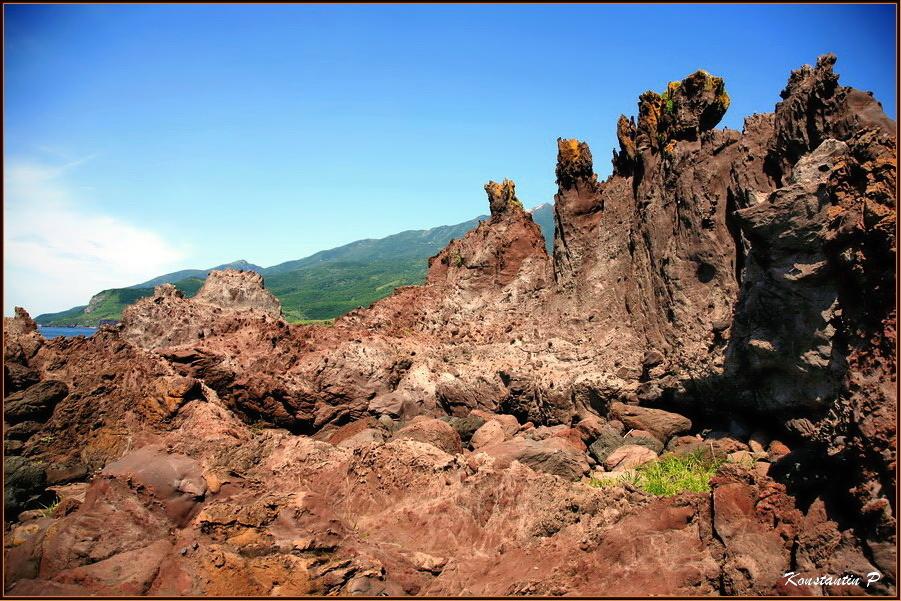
(58, 251)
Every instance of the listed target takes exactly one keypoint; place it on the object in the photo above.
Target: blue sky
(144, 139)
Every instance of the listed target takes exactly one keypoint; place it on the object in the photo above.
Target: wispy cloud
(58, 251)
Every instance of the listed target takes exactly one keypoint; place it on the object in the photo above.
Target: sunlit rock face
(723, 292)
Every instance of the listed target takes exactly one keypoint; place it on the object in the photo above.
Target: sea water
(48, 332)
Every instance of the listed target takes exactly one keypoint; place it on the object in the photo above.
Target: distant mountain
(332, 282)
(410, 244)
(322, 286)
(108, 304)
(543, 215)
(196, 273)
(67, 317)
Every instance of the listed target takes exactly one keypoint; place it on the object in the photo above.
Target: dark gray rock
(19, 377)
(22, 430)
(465, 426)
(23, 484)
(36, 403)
(645, 440)
(608, 441)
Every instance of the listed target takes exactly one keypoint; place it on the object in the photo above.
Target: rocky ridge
(726, 291)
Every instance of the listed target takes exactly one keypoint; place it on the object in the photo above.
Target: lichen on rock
(502, 197)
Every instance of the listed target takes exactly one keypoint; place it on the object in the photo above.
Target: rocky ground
(724, 294)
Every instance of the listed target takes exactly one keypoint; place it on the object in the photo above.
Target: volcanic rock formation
(725, 293)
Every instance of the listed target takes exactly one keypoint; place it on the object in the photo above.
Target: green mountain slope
(67, 317)
(410, 244)
(109, 304)
(328, 290)
(322, 286)
(332, 282)
(184, 274)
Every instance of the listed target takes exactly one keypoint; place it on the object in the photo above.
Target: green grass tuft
(676, 474)
(47, 510)
(630, 478)
(669, 475)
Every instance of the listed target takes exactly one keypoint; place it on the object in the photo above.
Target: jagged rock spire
(684, 110)
(573, 162)
(815, 107)
(576, 206)
(502, 196)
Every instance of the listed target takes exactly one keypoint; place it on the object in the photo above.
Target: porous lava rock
(715, 275)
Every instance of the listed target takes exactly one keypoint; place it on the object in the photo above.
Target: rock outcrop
(169, 318)
(822, 248)
(239, 290)
(723, 294)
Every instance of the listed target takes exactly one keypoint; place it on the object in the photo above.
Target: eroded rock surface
(440, 442)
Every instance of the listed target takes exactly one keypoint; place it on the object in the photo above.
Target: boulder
(492, 432)
(18, 377)
(726, 442)
(572, 436)
(35, 403)
(126, 574)
(629, 456)
(23, 430)
(386, 422)
(23, 484)
(683, 442)
(762, 468)
(508, 422)
(465, 426)
(174, 480)
(755, 553)
(645, 439)
(542, 432)
(13, 447)
(66, 473)
(352, 429)
(552, 455)
(758, 442)
(363, 438)
(777, 450)
(741, 457)
(608, 440)
(589, 428)
(663, 425)
(434, 432)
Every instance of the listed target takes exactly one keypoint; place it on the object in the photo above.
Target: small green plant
(669, 475)
(668, 103)
(661, 140)
(47, 438)
(667, 96)
(628, 477)
(457, 258)
(47, 510)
